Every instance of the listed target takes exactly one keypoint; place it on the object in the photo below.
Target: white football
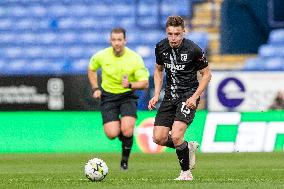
(96, 169)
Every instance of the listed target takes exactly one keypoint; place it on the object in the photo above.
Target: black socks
(169, 142)
(182, 153)
(127, 143)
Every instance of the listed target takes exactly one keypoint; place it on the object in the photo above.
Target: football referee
(123, 71)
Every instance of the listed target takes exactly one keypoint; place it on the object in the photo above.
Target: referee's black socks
(127, 143)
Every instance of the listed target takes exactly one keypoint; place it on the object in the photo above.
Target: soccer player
(123, 71)
(182, 59)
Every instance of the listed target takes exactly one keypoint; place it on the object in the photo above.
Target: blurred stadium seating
(271, 55)
(59, 36)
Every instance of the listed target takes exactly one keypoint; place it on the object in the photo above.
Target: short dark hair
(175, 21)
(119, 30)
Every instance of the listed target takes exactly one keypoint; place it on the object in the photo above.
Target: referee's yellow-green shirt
(114, 68)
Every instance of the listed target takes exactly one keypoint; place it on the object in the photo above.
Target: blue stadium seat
(265, 64)
(37, 10)
(148, 11)
(16, 11)
(274, 64)
(92, 37)
(276, 37)
(268, 50)
(253, 64)
(148, 21)
(144, 50)
(148, 8)
(63, 37)
(5, 23)
(147, 14)
(16, 67)
(6, 38)
(145, 36)
(150, 65)
(25, 23)
(126, 22)
(33, 52)
(180, 7)
(79, 66)
(57, 10)
(12, 52)
(200, 38)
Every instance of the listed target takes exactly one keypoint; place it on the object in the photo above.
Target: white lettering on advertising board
(251, 137)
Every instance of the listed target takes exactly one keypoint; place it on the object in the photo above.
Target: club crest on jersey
(183, 57)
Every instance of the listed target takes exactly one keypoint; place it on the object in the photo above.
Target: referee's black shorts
(114, 106)
(172, 110)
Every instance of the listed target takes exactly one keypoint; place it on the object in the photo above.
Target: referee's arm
(139, 84)
(93, 78)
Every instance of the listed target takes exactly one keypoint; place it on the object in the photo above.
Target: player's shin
(182, 154)
(127, 143)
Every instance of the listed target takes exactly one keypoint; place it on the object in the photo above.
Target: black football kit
(181, 66)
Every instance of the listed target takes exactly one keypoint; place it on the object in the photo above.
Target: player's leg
(163, 124)
(128, 110)
(178, 130)
(186, 116)
(161, 136)
(112, 129)
(127, 130)
(110, 116)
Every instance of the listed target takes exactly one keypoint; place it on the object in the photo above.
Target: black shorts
(172, 110)
(114, 106)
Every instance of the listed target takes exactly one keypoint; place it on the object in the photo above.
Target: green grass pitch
(220, 170)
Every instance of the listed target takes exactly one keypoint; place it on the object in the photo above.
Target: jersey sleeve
(141, 72)
(158, 56)
(94, 63)
(200, 59)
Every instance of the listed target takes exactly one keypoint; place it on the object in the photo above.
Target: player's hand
(125, 82)
(191, 103)
(97, 93)
(152, 103)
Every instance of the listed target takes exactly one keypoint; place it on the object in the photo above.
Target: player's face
(175, 35)
(118, 43)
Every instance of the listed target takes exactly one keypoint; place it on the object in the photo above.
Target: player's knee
(127, 133)
(159, 140)
(111, 135)
(176, 140)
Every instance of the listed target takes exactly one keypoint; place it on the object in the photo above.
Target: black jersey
(181, 65)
